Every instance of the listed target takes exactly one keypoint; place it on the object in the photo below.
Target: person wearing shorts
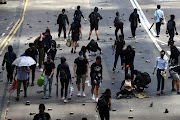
(96, 77)
(81, 66)
(174, 72)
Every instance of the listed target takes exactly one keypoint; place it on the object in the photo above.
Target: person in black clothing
(93, 46)
(120, 51)
(129, 60)
(118, 24)
(61, 21)
(104, 111)
(171, 28)
(9, 57)
(78, 14)
(96, 77)
(47, 41)
(174, 54)
(42, 115)
(33, 53)
(94, 21)
(128, 87)
(76, 30)
(65, 77)
(134, 19)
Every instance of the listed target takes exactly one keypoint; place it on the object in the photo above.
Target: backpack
(170, 25)
(93, 18)
(102, 103)
(118, 22)
(74, 27)
(36, 42)
(146, 77)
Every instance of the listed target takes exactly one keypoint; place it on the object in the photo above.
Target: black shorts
(75, 37)
(97, 82)
(92, 27)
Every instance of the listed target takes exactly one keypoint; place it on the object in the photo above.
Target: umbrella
(24, 61)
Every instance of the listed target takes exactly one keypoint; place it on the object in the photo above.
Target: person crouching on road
(42, 115)
(65, 77)
(161, 66)
(96, 77)
(49, 67)
(128, 87)
(22, 74)
(81, 67)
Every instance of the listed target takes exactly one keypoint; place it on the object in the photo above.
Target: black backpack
(170, 25)
(146, 77)
(102, 103)
(93, 18)
(118, 22)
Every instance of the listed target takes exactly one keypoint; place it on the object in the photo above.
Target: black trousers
(64, 83)
(116, 31)
(117, 57)
(10, 70)
(158, 27)
(133, 30)
(104, 115)
(93, 49)
(33, 67)
(160, 80)
(131, 66)
(60, 29)
(171, 35)
(124, 92)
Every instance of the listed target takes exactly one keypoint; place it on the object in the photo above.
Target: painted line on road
(7, 28)
(11, 23)
(3, 34)
(144, 23)
(169, 52)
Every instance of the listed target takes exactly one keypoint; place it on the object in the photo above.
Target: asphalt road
(42, 14)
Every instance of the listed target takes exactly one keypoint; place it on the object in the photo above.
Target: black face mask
(162, 56)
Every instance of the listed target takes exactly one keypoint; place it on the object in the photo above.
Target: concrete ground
(42, 14)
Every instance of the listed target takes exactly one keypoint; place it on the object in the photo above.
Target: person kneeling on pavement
(128, 87)
(93, 46)
(174, 72)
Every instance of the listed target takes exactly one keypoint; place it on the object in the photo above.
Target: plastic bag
(71, 91)
(40, 81)
(13, 87)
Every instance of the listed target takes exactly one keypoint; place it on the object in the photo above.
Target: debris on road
(148, 61)
(151, 105)
(166, 111)
(114, 109)
(27, 102)
(131, 110)
(130, 117)
(49, 109)
(71, 113)
(30, 114)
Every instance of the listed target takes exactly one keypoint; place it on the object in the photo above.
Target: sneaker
(98, 39)
(89, 38)
(43, 97)
(40, 69)
(157, 36)
(83, 94)
(122, 67)
(114, 69)
(119, 96)
(178, 93)
(62, 98)
(10, 83)
(162, 92)
(101, 52)
(65, 40)
(32, 84)
(96, 100)
(27, 84)
(79, 94)
(173, 90)
(50, 95)
(72, 50)
(17, 99)
(65, 100)
(92, 97)
(158, 93)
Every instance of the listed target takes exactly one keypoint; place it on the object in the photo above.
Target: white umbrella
(24, 61)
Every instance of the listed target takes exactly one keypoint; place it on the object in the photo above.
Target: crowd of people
(45, 46)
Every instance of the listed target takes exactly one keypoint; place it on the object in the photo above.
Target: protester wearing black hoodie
(65, 77)
(129, 60)
(9, 57)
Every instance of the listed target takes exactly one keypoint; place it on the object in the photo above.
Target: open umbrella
(24, 61)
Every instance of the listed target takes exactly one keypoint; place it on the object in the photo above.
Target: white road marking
(3, 34)
(146, 24)
(7, 28)
(11, 23)
(169, 52)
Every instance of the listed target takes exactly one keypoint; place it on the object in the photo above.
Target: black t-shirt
(75, 27)
(119, 46)
(81, 66)
(96, 71)
(32, 53)
(49, 68)
(38, 116)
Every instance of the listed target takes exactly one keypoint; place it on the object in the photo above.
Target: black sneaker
(27, 84)
(72, 50)
(25, 96)
(173, 90)
(17, 99)
(89, 38)
(98, 39)
(114, 69)
(157, 36)
(32, 84)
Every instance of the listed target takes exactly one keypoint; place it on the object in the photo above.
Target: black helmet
(10, 48)
(95, 9)
(63, 59)
(117, 13)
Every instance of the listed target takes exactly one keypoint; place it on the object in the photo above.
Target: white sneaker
(79, 94)
(83, 94)
(92, 97)
(65, 40)
(40, 70)
(96, 100)
(65, 100)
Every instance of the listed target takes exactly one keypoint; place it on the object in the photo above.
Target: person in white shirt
(161, 66)
(158, 17)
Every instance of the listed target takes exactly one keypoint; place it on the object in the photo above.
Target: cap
(80, 53)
